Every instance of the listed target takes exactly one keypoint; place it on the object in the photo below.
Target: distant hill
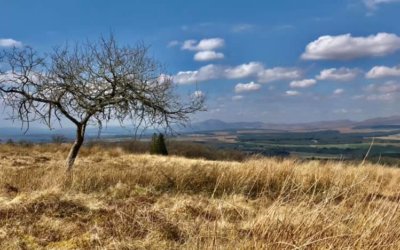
(375, 123)
(382, 122)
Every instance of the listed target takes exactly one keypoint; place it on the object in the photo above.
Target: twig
(369, 150)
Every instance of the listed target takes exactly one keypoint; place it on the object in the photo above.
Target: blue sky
(272, 61)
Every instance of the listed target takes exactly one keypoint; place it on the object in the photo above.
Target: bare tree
(91, 83)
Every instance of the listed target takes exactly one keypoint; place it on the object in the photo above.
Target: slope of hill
(214, 124)
(116, 200)
(378, 122)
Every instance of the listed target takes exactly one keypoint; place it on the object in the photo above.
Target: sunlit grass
(116, 200)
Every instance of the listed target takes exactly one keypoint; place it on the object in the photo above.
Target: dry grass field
(116, 200)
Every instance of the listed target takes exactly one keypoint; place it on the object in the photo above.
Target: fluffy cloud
(346, 47)
(205, 73)
(338, 91)
(208, 55)
(383, 71)
(341, 74)
(303, 83)
(387, 87)
(17, 77)
(202, 45)
(251, 69)
(247, 87)
(244, 70)
(278, 73)
(373, 4)
(7, 76)
(8, 42)
(382, 92)
(292, 93)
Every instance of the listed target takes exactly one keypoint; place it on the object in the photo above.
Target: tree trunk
(73, 153)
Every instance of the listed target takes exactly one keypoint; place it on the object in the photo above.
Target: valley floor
(116, 200)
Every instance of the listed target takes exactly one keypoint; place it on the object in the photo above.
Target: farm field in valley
(353, 144)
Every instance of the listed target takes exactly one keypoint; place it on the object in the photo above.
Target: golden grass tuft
(115, 200)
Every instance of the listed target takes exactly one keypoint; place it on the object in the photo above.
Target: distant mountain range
(214, 124)
(42, 134)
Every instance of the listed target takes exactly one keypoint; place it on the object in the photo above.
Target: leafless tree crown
(92, 83)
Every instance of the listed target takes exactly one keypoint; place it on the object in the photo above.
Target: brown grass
(116, 200)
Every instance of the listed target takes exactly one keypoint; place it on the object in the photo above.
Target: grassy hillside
(117, 200)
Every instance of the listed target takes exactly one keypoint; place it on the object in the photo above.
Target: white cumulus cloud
(8, 42)
(8, 76)
(346, 47)
(204, 44)
(387, 91)
(208, 55)
(341, 74)
(306, 83)
(383, 71)
(247, 87)
(244, 70)
(205, 73)
(292, 93)
(279, 73)
(338, 91)
(386, 88)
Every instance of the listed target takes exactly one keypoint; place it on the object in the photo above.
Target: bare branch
(92, 83)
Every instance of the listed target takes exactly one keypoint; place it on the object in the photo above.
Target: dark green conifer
(158, 146)
(162, 148)
(153, 144)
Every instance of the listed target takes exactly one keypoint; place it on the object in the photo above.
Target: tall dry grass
(116, 200)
